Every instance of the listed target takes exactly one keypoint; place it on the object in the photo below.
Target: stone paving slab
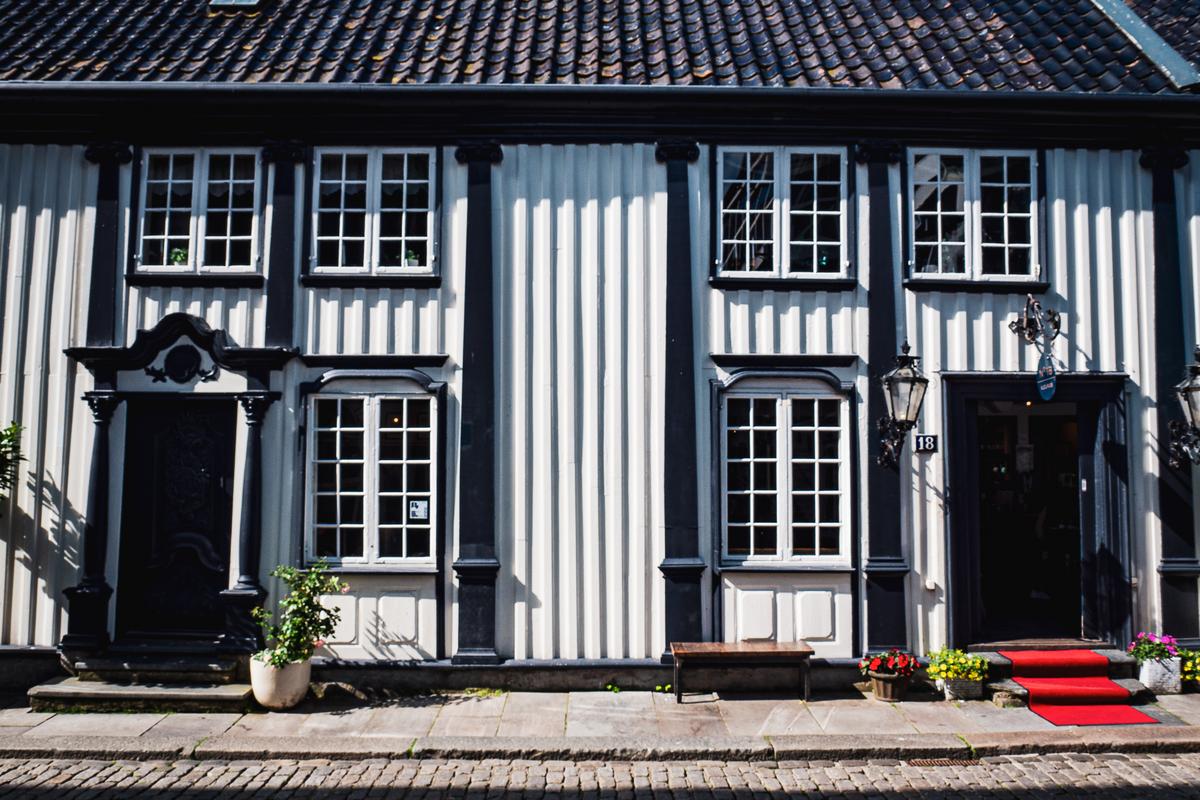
(100, 724)
(839, 747)
(588, 748)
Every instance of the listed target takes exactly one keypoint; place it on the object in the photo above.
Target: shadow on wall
(44, 557)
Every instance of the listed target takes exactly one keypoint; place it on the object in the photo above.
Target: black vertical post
(242, 633)
(682, 567)
(102, 296)
(1178, 568)
(87, 602)
(476, 565)
(886, 567)
(281, 272)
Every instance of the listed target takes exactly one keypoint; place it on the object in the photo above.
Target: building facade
(573, 371)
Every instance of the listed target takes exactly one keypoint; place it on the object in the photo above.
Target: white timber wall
(581, 239)
(1099, 259)
(47, 218)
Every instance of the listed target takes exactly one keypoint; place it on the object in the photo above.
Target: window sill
(785, 566)
(231, 280)
(976, 287)
(383, 569)
(424, 281)
(830, 284)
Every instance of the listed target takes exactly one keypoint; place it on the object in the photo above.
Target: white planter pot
(961, 690)
(279, 688)
(1160, 677)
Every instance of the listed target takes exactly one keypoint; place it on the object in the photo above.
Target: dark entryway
(175, 529)
(1028, 520)
(1038, 495)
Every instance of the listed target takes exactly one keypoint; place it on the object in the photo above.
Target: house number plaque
(925, 443)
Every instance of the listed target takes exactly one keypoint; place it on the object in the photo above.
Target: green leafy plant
(665, 688)
(10, 457)
(892, 662)
(1153, 647)
(955, 665)
(178, 255)
(410, 256)
(612, 687)
(478, 691)
(303, 621)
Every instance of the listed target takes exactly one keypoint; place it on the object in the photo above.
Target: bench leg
(804, 680)
(678, 683)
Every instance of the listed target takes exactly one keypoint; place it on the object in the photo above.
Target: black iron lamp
(904, 392)
(1185, 435)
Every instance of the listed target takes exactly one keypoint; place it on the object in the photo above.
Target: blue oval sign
(1047, 377)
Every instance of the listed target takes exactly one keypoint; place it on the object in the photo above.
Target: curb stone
(785, 748)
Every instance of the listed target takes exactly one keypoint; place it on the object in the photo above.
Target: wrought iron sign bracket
(1037, 323)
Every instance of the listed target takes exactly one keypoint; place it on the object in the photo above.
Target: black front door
(175, 528)
(1038, 499)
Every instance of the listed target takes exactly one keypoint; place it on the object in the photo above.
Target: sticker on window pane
(418, 510)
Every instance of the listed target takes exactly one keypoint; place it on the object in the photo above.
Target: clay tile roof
(1064, 45)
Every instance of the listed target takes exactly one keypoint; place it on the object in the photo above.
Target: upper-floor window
(973, 214)
(782, 212)
(373, 211)
(199, 211)
(785, 488)
(372, 483)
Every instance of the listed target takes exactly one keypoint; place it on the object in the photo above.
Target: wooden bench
(758, 654)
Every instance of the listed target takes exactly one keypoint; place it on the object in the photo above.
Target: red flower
(875, 664)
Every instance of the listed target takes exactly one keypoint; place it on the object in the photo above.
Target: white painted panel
(756, 615)
(47, 218)
(777, 605)
(815, 615)
(398, 619)
(389, 616)
(346, 630)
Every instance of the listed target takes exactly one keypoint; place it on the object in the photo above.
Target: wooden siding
(47, 215)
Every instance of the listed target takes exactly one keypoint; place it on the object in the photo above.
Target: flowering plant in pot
(958, 674)
(1189, 668)
(890, 673)
(1158, 662)
(279, 674)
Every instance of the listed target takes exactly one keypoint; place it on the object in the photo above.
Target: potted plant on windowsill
(959, 675)
(1158, 662)
(279, 674)
(411, 259)
(890, 673)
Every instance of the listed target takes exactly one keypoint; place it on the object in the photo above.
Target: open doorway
(1038, 499)
(1029, 520)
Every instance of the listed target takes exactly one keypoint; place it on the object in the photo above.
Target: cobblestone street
(1070, 775)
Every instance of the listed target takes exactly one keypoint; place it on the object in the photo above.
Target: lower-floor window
(785, 488)
(372, 481)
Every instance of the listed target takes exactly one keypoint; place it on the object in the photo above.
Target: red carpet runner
(1071, 687)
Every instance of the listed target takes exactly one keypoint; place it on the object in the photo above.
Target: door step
(73, 694)
(1007, 693)
(1120, 664)
(156, 669)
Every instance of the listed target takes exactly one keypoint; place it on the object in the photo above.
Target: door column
(682, 568)
(886, 566)
(1178, 568)
(87, 602)
(243, 634)
(477, 565)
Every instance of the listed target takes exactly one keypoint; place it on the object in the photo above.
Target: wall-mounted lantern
(1185, 436)
(904, 392)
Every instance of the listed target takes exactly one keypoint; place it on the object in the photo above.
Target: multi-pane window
(785, 491)
(373, 211)
(199, 211)
(783, 212)
(372, 478)
(973, 214)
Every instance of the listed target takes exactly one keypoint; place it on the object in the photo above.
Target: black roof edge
(160, 112)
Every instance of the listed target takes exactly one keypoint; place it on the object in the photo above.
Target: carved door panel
(175, 531)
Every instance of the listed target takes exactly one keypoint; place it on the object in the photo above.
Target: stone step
(156, 669)
(1120, 664)
(1007, 692)
(73, 694)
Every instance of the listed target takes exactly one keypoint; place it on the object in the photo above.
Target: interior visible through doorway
(1029, 520)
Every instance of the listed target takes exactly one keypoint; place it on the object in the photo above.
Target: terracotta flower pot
(278, 688)
(888, 686)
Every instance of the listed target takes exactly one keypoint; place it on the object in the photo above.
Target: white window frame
(973, 216)
(784, 557)
(199, 213)
(371, 468)
(374, 201)
(781, 214)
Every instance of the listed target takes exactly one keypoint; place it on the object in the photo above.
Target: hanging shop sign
(1040, 327)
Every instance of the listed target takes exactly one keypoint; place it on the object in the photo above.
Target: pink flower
(345, 588)
(318, 642)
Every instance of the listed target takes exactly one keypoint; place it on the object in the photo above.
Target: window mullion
(781, 207)
(197, 227)
(374, 201)
(783, 482)
(370, 478)
(974, 217)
